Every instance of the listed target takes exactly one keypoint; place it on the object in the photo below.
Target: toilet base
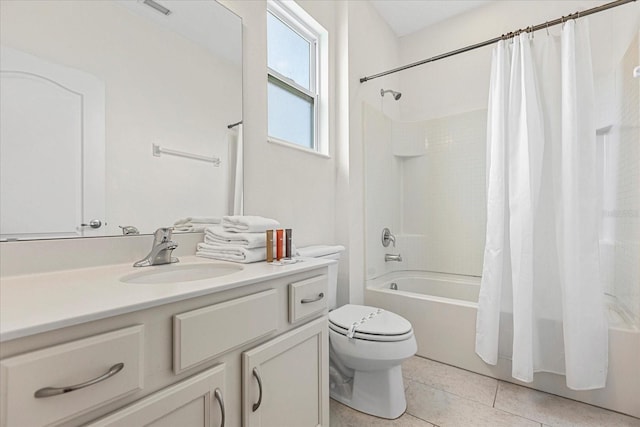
(379, 393)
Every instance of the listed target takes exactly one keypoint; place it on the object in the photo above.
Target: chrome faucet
(391, 257)
(161, 250)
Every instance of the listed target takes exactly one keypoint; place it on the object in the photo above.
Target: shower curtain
(236, 170)
(541, 303)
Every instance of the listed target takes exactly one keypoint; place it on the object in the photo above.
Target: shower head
(396, 95)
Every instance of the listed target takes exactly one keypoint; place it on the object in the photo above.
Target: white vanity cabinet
(285, 382)
(188, 403)
(186, 363)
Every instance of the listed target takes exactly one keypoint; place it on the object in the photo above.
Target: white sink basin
(176, 273)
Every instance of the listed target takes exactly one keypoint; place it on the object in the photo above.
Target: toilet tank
(326, 252)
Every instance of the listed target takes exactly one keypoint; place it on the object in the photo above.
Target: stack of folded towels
(195, 224)
(238, 238)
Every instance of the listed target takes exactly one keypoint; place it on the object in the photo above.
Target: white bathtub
(442, 309)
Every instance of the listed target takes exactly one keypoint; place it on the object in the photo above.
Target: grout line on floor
(457, 367)
(520, 416)
(435, 387)
(495, 396)
(473, 401)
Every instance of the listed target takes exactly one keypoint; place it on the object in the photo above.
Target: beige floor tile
(447, 409)
(343, 416)
(450, 379)
(556, 411)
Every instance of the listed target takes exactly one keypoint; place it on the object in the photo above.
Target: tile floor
(442, 395)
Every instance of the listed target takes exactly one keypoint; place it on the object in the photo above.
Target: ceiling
(408, 16)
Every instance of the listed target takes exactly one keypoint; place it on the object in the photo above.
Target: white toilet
(367, 346)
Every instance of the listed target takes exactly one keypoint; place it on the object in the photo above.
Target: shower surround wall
(433, 201)
(381, 189)
(619, 152)
(445, 225)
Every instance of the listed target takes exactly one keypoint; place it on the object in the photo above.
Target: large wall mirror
(116, 113)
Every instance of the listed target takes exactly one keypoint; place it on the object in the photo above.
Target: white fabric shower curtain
(236, 170)
(541, 302)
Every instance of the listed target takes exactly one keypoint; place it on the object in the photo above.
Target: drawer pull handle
(257, 375)
(54, 391)
(310, 300)
(220, 400)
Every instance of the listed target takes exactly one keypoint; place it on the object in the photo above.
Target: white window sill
(298, 147)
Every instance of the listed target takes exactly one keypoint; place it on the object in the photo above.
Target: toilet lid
(371, 322)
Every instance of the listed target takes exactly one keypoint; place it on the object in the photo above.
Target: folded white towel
(247, 223)
(231, 253)
(197, 220)
(216, 235)
(192, 228)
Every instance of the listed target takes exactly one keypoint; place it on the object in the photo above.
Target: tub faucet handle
(387, 238)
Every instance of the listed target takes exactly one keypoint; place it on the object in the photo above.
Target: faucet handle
(129, 229)
(387, 238)
(162, 235)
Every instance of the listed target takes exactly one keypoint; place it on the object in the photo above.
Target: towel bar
(157, 150)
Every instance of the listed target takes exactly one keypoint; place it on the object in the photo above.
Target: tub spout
(391, 257)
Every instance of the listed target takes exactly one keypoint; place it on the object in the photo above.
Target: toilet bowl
(367, 346)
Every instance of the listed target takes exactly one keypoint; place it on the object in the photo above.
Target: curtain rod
(232, 125)
(502, 37)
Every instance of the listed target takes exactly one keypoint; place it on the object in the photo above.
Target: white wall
(373, 47)
(321, 199)
(382, 190)
(290, 185)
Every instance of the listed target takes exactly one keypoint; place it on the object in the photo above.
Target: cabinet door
(285, 382)
(196, 401)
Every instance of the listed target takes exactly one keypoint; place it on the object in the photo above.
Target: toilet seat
(369, 323)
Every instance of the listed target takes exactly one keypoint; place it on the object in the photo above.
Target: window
(293, 77)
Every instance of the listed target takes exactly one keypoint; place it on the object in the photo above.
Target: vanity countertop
(35, 303)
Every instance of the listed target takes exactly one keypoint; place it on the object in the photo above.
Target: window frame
(297, 24)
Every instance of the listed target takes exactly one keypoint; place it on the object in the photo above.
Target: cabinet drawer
(206, 333)
(307, 297)
(90, 364)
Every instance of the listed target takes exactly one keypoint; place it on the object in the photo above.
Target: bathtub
(442, 309)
